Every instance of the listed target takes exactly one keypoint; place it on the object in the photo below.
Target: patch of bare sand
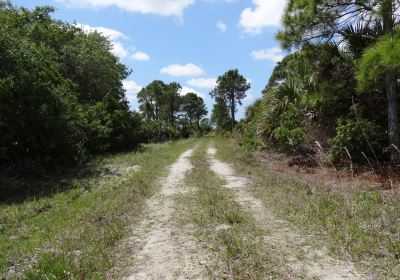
(166, 251)
(283, 239)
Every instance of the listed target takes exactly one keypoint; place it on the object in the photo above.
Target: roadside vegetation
(74, 233)
(77, 163)
(62, 98)
(353, 219)
(333, 98)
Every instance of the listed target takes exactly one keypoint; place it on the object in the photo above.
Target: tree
(193, 107)
(205, 126)
(61, 93)
(330, 20)
(150, 100)
(232, 88)
(220, 114)
(171, 102)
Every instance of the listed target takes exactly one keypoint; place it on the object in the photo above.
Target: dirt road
(168, 251)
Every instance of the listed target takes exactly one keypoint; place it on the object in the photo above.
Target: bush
(61, 93)
(247, 137)
(291, 133)
(358, 136)
(158, 131)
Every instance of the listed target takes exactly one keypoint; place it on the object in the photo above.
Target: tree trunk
(391, 94)
(393, 120)
(232, 113)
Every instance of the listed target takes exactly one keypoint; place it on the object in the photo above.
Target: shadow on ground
(28, 183)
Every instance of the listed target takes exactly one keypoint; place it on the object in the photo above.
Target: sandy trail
(292, 245)
(167, 251)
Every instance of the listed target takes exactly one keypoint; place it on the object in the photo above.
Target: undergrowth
(355, 221)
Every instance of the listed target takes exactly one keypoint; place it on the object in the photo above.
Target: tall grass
(353, 220)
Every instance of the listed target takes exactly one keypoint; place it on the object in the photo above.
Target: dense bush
(246, 136)
(357, 138)
(61, 94)
(311, 97)
(290, 133)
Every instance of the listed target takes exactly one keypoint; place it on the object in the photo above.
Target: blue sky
(188, 41)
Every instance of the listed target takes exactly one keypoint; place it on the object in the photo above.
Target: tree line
(336, 90)
(62, 97)
(61, 93)
(169, 115)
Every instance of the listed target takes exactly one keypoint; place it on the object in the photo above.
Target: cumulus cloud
(271, 54)
(131, 91)
(118, 48)
(108, 32)
(140, 56)
(159, 7)
(188, 70)
(206, 83)
(186, 90)
(265, 13)
(222, 26)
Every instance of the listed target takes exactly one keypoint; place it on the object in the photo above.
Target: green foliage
(366, 32)
(61, 94)
(307, 21)
(290, 133)
(193, 107)
(358, 137)
(231, 87)
(246, 135)
(169, 115)
(311, 96)
(220, 114)
(205, 125)
(51, 266)
(382, 56)
(153, 132)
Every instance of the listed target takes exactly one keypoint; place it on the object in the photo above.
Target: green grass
(227, 230)
(73, 233)
(355, 222)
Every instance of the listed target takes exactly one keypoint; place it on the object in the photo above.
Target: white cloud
(222, 26)
(186, 90)
(188, 70)
(272, 54)
(159, 7)
(207, 83)
(132, 89)
(140, 56)
(266, 13)
(108, 32)
(118, 48)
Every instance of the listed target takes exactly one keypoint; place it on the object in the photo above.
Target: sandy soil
(313, 263)
(166, 250)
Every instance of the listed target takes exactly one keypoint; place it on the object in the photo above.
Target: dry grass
(226, 229)
(354, 219)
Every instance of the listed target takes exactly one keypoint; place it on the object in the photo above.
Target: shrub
(291, 133)
(246, 135)
(358, 136)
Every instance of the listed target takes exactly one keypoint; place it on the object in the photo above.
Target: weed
(225, 228)
(353, 220)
